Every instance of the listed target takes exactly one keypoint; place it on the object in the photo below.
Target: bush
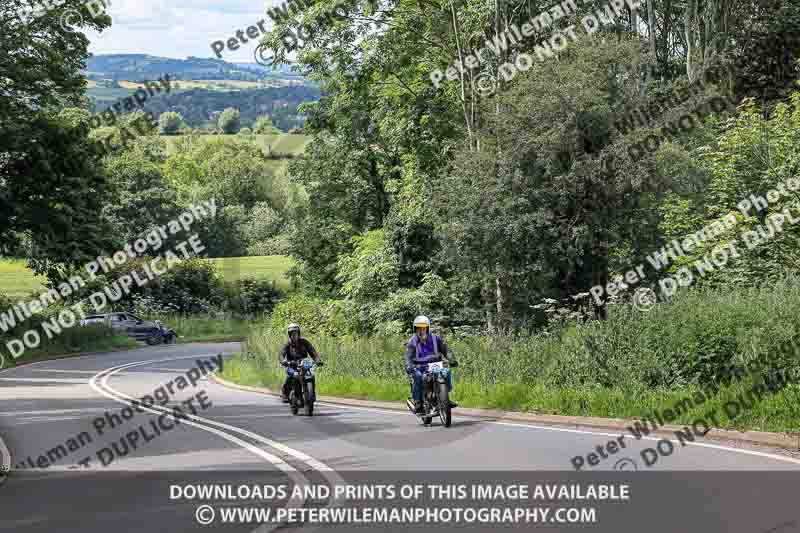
(229, 120)
(691, 341)
(170, 123)
(314, 315)
(191, 286)
(694, 339)
(249, 297)
(278, 245)
(263, 126)
(245, 131)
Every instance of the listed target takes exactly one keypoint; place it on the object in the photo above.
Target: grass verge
(73, 341)
(774, 413)
(204, 328)
(668, 361)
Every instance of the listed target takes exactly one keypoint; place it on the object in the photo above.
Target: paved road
(74, 471)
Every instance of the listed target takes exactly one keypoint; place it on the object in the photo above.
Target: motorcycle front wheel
(294, 402)
(444, 405)
(310, 398)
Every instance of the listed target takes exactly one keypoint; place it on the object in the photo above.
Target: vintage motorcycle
(435, 396)
(302, 392)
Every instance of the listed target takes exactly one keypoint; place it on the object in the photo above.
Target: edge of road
(778, 440)
(67, 356)
(114, 350)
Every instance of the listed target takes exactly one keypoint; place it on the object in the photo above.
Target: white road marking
(327, 472)
(580, 431)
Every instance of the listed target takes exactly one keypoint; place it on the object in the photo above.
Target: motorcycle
(435, 396)
(302, 392)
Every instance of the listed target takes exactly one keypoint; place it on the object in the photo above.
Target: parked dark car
(142, 330)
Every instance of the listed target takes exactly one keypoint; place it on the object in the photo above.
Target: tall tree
(50, 185)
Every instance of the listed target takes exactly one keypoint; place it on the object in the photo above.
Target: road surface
(73, 471)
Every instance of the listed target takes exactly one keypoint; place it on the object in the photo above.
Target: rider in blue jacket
(423, 348)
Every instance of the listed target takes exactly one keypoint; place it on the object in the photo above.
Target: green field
(17, 281)
(284, 144)
(107, 94)
(278, 144)
(271, 267)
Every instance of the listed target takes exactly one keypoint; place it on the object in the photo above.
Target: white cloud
(178, 28)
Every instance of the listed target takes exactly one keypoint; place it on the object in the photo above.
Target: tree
(141, 197)
(237, 172)
(263, 126)
(50, 185)
(229, 121)
(170, 122)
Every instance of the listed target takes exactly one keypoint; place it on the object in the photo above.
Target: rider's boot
(284, 395)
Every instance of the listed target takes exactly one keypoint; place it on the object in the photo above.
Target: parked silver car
(150, 332)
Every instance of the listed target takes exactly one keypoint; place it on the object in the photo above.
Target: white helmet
(293, 327)
(422, 322)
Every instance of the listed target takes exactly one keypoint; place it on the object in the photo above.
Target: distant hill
(201, 107)
(143, 67)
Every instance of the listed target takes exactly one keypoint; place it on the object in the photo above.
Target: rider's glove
(320, 363)
(452, 363)
(284, 363)
(410, 370)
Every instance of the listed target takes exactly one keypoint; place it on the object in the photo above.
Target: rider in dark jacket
(292, 353)
(423, 348)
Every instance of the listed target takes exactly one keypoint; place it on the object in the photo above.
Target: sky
(179, 28)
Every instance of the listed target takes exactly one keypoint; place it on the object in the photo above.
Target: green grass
(201, 328)
(107, 94)
(269, 267)
(776, 413)
(74, 340)
(17, 280)
(285, 143)
(277, 144)
(625, 367)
